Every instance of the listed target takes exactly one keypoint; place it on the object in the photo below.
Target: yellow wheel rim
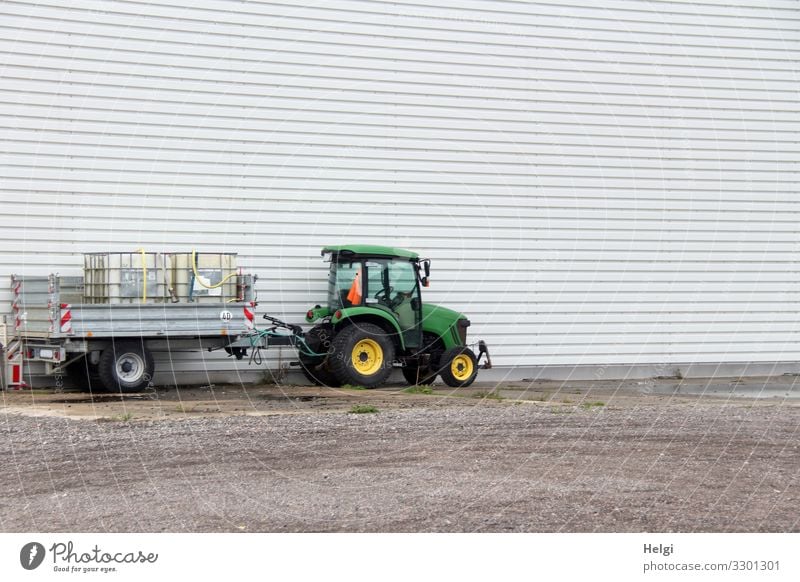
(461, 367)
(367, 357)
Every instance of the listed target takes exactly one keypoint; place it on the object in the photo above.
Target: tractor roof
(370, 251)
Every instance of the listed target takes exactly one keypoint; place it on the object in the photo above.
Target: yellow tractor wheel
(362, 355)
(458, 367)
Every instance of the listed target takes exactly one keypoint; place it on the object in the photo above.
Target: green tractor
(375, 320)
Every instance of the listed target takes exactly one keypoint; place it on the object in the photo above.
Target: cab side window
(348, 284)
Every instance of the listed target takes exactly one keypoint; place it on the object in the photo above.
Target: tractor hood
(432, 311)
(444, 323)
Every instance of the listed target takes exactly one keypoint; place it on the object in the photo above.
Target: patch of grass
(351, 387)
(126, 417)
(421, 389)
(592, 404)
(560, 410)
(363, 409)
(489, 395)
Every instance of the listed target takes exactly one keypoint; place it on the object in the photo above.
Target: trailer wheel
(126, 367)
(85, 376)
(314, 368)
(362, 355)
(458, 367)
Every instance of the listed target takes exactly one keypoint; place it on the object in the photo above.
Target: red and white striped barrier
(249, 316)
(16, 288)
(14, 379)
(66, 318)
(51, 314)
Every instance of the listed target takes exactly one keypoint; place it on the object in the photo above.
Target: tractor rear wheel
(314, 368)
(458, 367)
(362, 355)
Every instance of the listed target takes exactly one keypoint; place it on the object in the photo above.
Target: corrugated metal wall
(596, 184)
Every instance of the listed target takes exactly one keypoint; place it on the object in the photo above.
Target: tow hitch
(484, 351)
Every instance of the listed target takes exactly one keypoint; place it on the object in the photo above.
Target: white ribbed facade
(596, 183)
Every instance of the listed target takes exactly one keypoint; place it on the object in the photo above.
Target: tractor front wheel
(458, 367)
(362, 355)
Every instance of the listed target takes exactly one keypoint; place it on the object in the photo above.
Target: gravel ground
(429, 463)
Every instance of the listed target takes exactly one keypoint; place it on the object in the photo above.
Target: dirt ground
(650, 455)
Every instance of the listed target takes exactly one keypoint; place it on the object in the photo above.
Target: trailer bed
(51, 308)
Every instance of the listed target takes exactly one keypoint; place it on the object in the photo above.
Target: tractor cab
(375, 319)
(380, 279)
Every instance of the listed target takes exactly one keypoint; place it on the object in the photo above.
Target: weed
(559, 410)
(363, 409)
(422, 389)
(490, 395)
(127, 417)
(589, 405)
(351, 387)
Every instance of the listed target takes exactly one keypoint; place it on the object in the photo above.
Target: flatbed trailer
(109, 346)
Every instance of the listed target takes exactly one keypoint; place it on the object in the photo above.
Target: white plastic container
(212, 280)
(133, 277)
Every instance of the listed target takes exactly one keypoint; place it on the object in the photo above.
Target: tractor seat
(343, 300)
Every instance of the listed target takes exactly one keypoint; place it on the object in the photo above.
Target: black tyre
(126, 367)
(458, 367)
(362, 355)
(418, 376)
(85, 376)
(315, 368)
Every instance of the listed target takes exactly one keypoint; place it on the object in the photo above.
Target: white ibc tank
(213, 278)
(134, 277)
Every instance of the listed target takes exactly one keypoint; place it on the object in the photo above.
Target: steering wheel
(400, 298)
(384, 294)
